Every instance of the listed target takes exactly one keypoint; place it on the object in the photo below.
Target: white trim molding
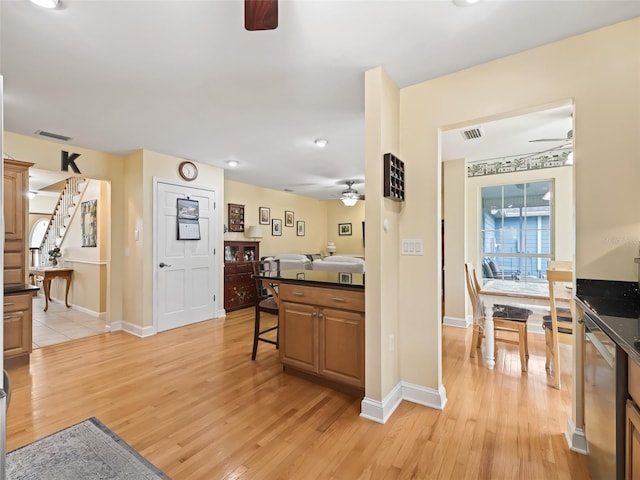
(381, 411)
(133, 329)
(576, 438)
(457, 321)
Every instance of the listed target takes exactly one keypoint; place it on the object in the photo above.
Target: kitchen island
(610, 311)
(321, 322)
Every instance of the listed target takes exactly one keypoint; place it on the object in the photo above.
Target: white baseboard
(381, 411)
(456, 322)
(133, 329)
(221, 313)
(576, 438)
(92, 313)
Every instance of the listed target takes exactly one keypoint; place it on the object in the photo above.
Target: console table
(48, 274)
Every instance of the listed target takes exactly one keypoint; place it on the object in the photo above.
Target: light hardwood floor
(194, 404)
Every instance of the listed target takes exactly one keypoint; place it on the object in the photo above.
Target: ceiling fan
(260, 15)
(350, 196)
(568, 138)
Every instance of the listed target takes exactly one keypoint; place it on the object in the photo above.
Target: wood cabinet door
(15, 200)
(342, 346)
(299, 336)
(17, 325)
(632, 470)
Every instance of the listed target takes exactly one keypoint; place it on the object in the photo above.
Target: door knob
(162, 265)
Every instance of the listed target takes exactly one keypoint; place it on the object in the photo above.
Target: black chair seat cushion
(494, 268)
(268, 303)
(486, 270)
(511, 312)
(546, 323)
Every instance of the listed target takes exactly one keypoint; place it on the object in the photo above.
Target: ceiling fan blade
(260, 15)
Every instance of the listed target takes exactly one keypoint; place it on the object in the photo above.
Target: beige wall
(89, 264)
(160, 166)
(383, 218)
(598, 71)
(134, 250)
(454, 173)
(321, 220)
(46, 155)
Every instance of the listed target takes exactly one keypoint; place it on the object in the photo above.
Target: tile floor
(60, 324)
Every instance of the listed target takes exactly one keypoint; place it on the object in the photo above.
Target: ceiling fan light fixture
(350, 196)
(321, 142)
(46, 3)
(349, 201)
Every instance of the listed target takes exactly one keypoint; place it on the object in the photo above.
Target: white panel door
(185, 269)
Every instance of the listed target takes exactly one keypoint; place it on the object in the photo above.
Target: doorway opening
(89, 289)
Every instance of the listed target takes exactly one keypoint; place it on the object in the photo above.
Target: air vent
(472, 133)
(53, 135)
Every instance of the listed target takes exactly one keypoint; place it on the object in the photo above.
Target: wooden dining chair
(558, 325)
(507, 320)
(267, 302)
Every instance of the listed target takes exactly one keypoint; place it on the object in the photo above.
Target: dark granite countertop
(9, 289)
(615, 307)
(318, 278)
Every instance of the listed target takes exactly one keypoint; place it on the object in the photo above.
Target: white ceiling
(184, 78)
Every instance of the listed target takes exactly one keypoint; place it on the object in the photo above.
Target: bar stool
(267, 302)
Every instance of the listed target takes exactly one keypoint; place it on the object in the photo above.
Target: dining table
(533, 295)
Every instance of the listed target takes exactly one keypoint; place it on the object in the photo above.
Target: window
(516, 234)
(37, 233)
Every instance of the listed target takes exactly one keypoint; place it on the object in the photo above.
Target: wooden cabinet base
(325, 382)
(322, 335)
(14, 362)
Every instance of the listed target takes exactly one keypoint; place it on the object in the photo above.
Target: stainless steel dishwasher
(602, 391)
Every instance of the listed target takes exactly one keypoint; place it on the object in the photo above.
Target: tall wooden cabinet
(239, 286)
(16, 219)
(17, 321)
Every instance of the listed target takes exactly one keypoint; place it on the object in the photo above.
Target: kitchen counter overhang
(317, 278)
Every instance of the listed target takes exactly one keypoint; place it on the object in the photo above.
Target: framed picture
(300, 228)
(344, 277)
(264, 215)
(344, 229)
(288, 218)
(276, 227)
(300, 276)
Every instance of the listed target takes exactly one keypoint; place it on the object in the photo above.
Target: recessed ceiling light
(232, 163)
(465, 3)
(321, 142)
(47, 3)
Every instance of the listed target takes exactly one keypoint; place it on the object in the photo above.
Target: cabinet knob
(313, 314)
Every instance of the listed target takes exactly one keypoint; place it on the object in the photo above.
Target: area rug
(85, 451)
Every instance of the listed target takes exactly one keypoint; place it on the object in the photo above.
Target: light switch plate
(412, 246)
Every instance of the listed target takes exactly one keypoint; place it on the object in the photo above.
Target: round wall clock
(188, 171)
